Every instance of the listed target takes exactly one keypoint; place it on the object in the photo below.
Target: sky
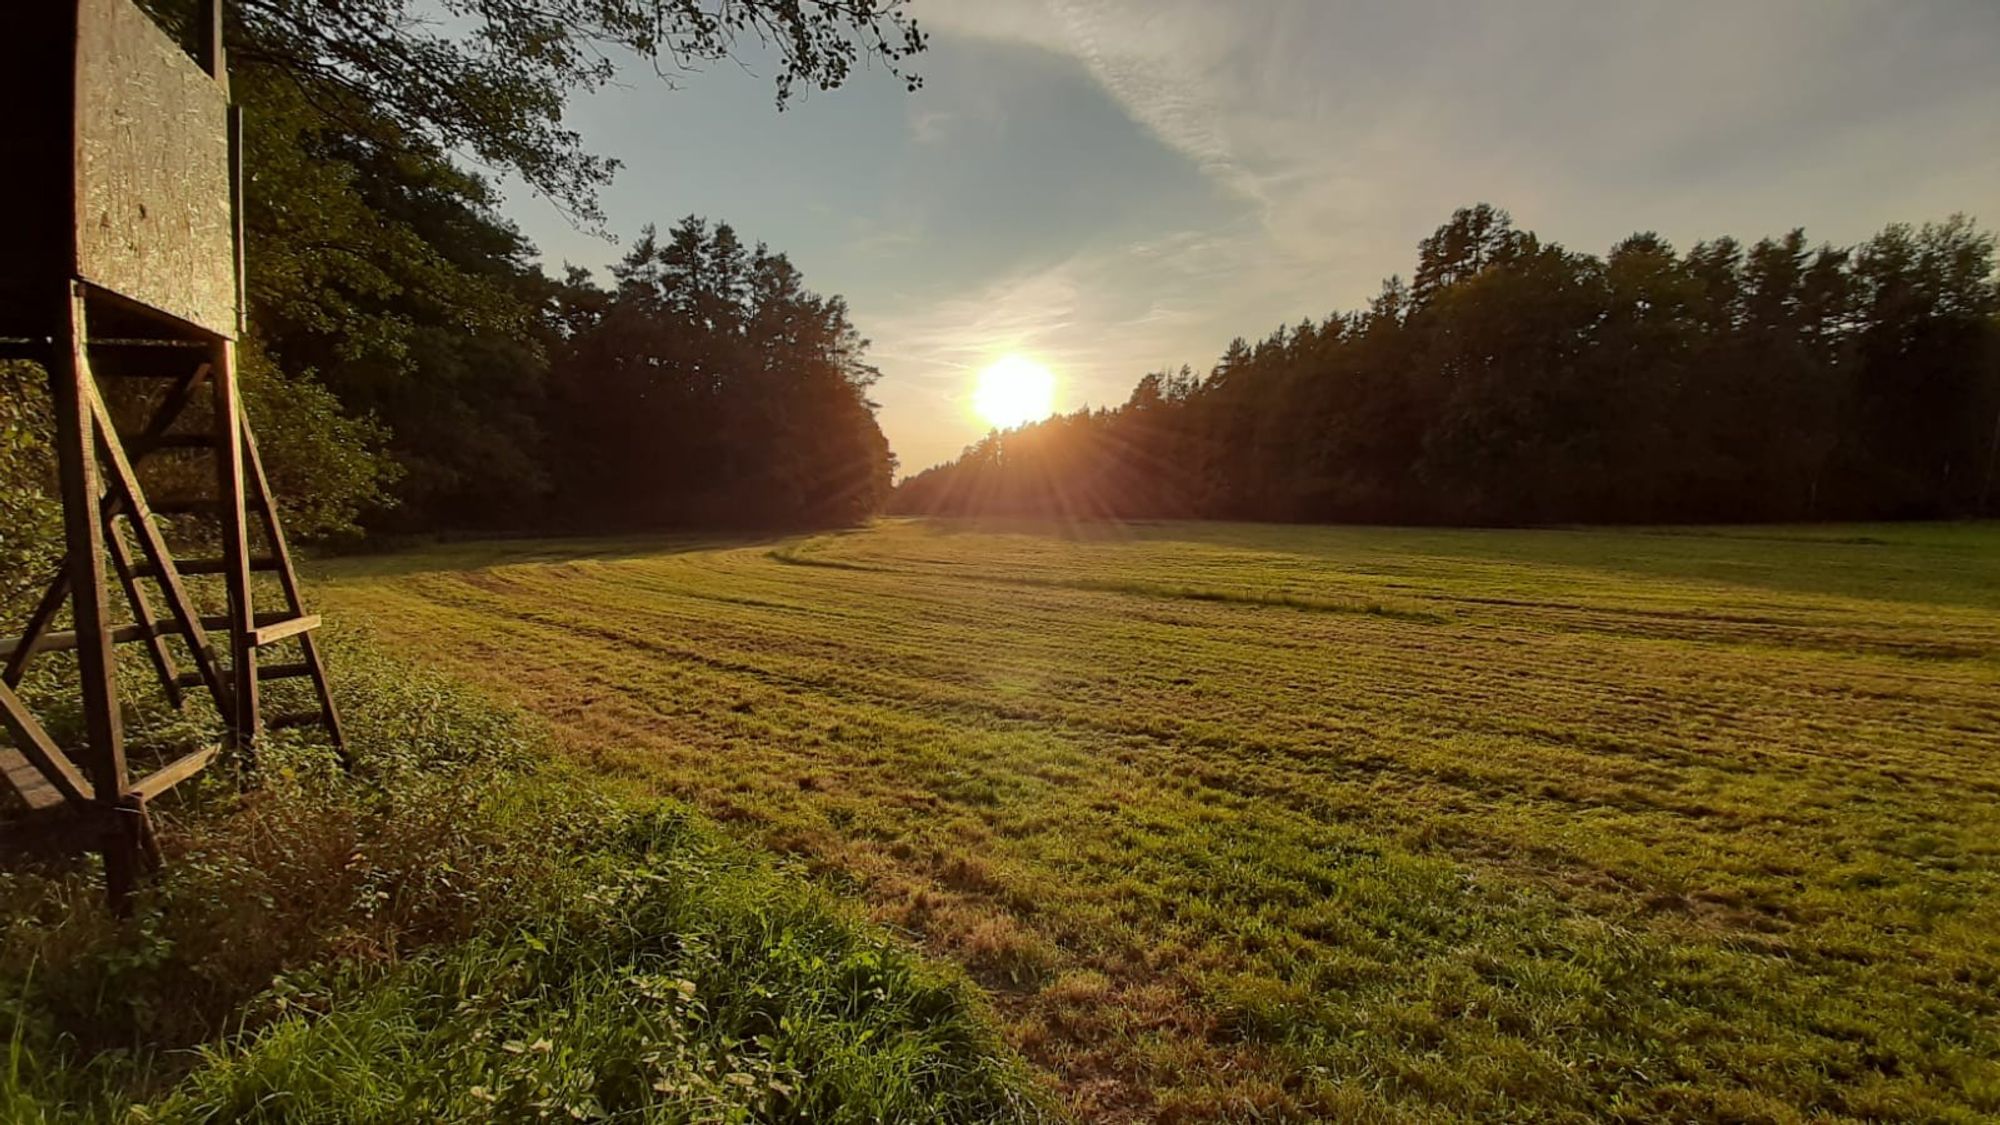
(1111, 187)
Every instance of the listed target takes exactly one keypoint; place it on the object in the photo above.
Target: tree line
(1510, 380)
(427, 374)
(409, 366)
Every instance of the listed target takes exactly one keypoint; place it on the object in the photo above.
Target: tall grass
(467, 929)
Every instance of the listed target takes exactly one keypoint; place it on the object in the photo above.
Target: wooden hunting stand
(126, 263)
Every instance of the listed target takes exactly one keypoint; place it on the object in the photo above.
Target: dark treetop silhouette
(1512, 380)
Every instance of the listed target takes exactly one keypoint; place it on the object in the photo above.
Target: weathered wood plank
(172, 774)
(42, 760)
(190, 567)
(152, 169)
(66, 640)
(271, 634)
(271, 627)
(229, 484)
(262, 618)
(33, 788)
(72, 393)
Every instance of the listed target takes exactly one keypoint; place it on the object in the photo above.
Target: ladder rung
(185, 506)
(264, 672)
(201, 506)
(146, 342)
(271, 627)
(281, 630)
(63, 642)
(297, 719)
(173, 773)
(177, 441)
(40, 345)
(284, 671)
(205, 566)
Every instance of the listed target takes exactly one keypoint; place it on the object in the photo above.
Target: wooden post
(76, 442)
(208, 48)
(235, 551)
(236, 213)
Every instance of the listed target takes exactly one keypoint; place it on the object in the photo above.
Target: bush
(30, 518)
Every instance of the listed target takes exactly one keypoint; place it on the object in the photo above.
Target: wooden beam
(236, 213)
(188, 567)
(209, 49)
(76, 449)
(65, 641)
(142, 613)
(172, 774)
(277, 624)
(267, 635)
(29, 644)
(229, 478)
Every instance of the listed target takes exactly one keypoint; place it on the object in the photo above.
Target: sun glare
(1014, 391)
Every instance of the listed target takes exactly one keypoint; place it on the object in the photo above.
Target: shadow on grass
(396, 560)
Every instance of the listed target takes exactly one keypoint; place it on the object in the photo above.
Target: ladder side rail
(228, 430)
(288, 578)
(142, 613)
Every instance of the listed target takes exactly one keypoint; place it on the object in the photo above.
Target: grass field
(467, 927)
(1237, 820)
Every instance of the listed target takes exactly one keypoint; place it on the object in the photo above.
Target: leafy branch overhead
(491, 77)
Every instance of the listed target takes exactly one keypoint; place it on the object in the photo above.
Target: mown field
(1235, 821)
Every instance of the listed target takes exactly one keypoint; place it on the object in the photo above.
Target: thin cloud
(1349, 129)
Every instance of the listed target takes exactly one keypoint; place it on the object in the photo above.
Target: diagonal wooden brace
(169, 411)
(125, 485)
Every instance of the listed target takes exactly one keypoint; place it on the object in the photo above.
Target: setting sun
(1014, 391)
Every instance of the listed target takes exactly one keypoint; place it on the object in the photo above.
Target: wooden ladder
(103, 460)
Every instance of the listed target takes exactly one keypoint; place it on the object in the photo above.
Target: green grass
(468, 929)
(1234, 821)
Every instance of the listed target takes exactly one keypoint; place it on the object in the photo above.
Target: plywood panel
(153, 221)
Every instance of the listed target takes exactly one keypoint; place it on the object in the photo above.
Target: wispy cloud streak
(1347, 129)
